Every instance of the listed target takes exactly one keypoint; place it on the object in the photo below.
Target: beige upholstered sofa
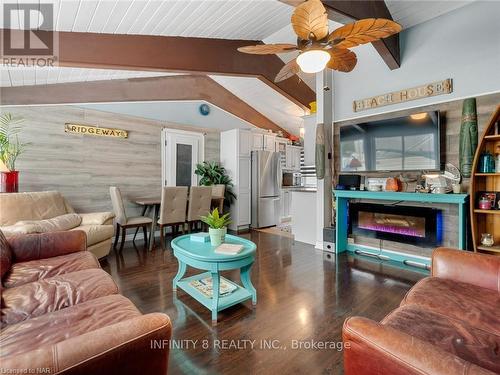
(48, 211)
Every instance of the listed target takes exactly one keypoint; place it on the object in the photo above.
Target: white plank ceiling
(229, 19)
(27, 76)
(409, 13)
(267, 20)
(265, 100)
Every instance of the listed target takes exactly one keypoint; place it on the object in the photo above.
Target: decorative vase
(487, 239)
(320, 151)
(485, 204)
(468, 136)
(9, 182)
(392, 184)
(217, 236)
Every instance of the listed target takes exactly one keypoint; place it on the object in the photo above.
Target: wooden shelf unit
(487, 212)
(492, 138)
(486, 221)
(493, 249)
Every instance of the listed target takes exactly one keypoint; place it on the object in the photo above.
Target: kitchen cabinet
(245, 140)
(257, 141)
(303, 216)
(269, 142)
(235, 148)
(293, 154)
(285, 205)
(262, 141)
(280, 146)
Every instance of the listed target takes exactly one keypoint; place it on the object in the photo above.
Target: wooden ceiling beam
(169, 88)
(174, 54)
(344, 11)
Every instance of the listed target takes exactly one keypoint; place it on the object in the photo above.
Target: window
(184, 165)
(353, 155)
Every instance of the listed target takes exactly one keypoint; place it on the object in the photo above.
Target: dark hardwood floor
(302, 296)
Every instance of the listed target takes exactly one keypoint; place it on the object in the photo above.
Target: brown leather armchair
(62, 313)
(448, 323)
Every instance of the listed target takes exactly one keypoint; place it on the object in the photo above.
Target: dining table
(151, 206)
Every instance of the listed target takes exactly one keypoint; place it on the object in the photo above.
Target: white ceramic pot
(217, 236)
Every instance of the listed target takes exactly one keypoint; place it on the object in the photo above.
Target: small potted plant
(217, 226)
(10, 149)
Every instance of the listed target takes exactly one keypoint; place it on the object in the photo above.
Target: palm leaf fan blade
(268, 49)
(290, 69)
(310, 18)
(363, 31)
(342, 60)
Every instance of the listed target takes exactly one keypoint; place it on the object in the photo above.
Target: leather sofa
(37, 212)
(448, 323)
(62, 314)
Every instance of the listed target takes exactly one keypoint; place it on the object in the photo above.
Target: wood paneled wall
(83, 168)
(451, 114)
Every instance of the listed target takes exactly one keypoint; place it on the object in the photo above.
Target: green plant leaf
(211, 173)
(214, 221)
(10, 146)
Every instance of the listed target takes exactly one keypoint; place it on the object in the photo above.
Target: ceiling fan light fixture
(418, 116)
(313, 61)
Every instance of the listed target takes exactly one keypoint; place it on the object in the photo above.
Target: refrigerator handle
(279, 175)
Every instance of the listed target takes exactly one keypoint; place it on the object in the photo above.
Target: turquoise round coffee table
(201, 255)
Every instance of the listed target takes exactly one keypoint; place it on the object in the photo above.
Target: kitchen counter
(303, 214)
(304, 189)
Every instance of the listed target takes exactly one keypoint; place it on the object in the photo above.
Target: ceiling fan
(320, 49)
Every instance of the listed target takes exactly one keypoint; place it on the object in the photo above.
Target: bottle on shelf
(486, 163)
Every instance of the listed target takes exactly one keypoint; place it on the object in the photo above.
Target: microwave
(292, 179)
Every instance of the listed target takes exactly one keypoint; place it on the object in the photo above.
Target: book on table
(229, 249)
(205, 287)
(200, 237)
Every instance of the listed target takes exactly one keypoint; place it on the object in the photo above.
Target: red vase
(9, 182)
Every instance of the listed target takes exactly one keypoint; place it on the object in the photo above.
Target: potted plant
(10, 149)
(217, 226)
(212, 173)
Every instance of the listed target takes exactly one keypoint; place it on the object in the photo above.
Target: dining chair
(172, 210)
(218, 197)
(123, 222)
(200, 198)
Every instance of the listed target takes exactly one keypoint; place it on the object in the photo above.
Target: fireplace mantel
(342, 198)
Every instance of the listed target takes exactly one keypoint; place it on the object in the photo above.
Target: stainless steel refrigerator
(266, 186)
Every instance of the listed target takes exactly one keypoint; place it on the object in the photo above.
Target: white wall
(463, 45)
(182, 112)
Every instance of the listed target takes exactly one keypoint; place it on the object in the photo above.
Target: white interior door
(181, 151)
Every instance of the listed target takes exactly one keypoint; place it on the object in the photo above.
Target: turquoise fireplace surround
(342, 198)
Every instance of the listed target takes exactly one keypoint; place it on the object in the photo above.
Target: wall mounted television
(406, 143)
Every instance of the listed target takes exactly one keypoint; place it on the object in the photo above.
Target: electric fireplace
(413, 225)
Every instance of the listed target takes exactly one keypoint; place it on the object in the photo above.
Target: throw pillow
(58, 223)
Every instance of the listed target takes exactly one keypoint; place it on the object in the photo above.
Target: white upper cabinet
(257, 141)
(293, 157)
(280, 146)
(262, 141)
(269, 142)
(245, 143)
